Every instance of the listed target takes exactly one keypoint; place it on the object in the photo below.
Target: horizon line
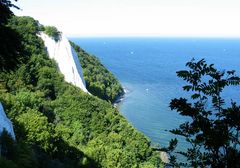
(148, 36)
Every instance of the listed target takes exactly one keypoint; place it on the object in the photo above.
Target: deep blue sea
(147, 67)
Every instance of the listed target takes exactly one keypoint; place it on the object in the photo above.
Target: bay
(147, 67)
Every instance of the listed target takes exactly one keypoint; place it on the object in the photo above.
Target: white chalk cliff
(5, 123)
(66, 58)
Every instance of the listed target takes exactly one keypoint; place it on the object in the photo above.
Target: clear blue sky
(218, 18)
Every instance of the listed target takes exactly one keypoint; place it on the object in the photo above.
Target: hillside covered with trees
(56, 124)
(99, 80)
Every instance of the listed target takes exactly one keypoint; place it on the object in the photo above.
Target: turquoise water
(147, 67)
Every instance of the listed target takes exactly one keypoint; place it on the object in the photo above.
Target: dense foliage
(10, 42)
(52, 32)
(213, 130)
(99, 81)
(58, 125)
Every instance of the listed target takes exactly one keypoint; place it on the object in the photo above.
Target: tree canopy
(6, 12)
(52, 32)
(99, 80)
(58, 125)
(10, 47)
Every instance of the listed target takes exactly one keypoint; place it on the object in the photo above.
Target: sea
(146, 68)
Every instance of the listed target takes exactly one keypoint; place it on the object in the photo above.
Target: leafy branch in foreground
(213, 130)
(10, 40)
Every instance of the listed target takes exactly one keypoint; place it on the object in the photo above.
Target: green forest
(99, 80)
(56, 124)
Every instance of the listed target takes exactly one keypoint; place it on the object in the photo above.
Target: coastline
(120, 97)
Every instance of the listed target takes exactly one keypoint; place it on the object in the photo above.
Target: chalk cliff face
(66, 58)
(5, 122)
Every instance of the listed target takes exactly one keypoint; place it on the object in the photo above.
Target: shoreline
(120, 97)
(164, 156)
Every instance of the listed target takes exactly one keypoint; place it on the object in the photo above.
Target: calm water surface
(147, 67)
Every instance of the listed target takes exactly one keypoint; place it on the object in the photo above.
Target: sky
(162, 18)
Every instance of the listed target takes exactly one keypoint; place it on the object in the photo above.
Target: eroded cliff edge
(66, 59)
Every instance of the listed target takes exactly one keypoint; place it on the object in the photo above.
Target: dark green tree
(6, 13)
(213, 126)
(10, 47)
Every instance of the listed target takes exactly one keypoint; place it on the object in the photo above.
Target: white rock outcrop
(5, 123)
(66, 57)
(165, 157)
